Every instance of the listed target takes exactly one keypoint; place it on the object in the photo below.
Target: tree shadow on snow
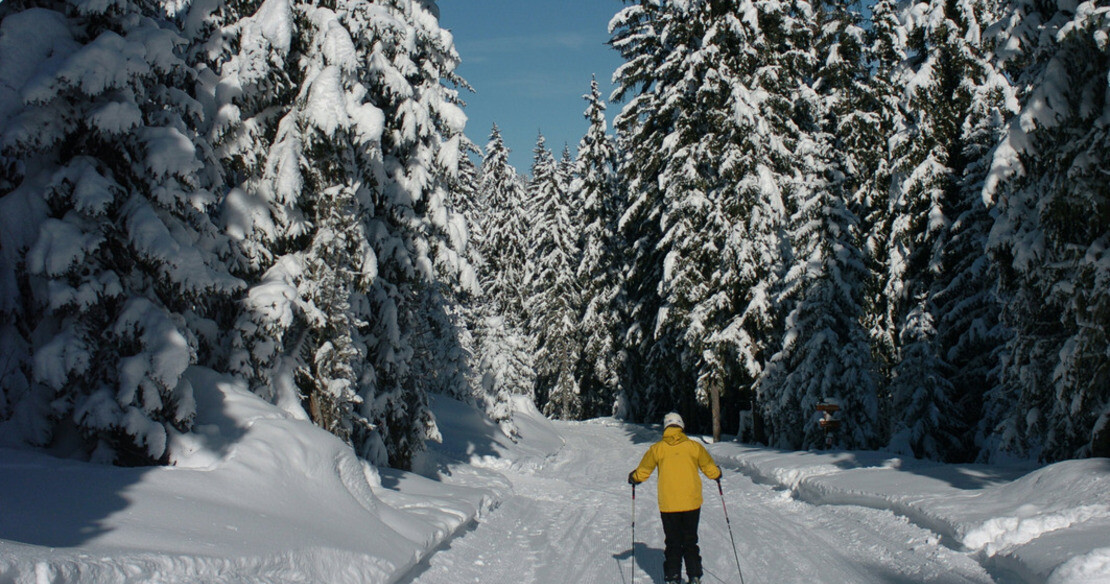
(649, 561)
(960, 476)
(59, 503)
(468, 435)
(63, 503)
(643, 433)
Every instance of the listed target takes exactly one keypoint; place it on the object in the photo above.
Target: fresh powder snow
(260, 496)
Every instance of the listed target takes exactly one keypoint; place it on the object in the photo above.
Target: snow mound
(255, 495)
(1091, 568)
(1042, 524)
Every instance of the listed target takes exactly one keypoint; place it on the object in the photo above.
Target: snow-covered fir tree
(596, 191)
(553, 297)
(114, 271)
(503, 243)
(564, 176)
(826, 353)
(635, 34)
(352, 200)
(674, 134)
(504, 352)
(936, 238)
(445, 341)
(920, 390)
(886, 50)
(969, 328)
(1047, 185)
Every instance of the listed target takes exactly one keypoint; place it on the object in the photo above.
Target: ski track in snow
(570, 523)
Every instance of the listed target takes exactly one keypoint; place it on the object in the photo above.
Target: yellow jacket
(678, 459)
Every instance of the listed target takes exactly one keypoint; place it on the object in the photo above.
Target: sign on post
(829, 423)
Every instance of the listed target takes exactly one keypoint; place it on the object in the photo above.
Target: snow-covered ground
(260, 496)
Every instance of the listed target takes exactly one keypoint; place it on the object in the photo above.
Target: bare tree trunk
(715, 406)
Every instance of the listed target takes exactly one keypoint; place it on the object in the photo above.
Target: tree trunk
(715, 406)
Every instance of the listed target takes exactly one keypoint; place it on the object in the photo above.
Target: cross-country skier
(678, 459)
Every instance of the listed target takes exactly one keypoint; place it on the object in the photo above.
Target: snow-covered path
(569, 522)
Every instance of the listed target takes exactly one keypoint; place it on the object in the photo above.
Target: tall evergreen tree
(826, 350)
(675, 134)
(553, 292)
(1048, 188)
(596, 191)
(710, 136)
(352, 203)
(116, 269)
(504, 246)
(641, 127)
(504, 351)
(940, 220)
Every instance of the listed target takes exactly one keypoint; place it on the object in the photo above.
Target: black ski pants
(680, 532)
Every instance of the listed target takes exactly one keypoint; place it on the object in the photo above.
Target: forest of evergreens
(902, 207)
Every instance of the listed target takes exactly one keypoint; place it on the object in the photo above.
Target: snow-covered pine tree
(715, 82)
(761, 167)
(886, 50)
(553, 293)
(636, 33)
(1048, 187)
(445, 342)
(372, 135)
(117, 271)
(503, 350)
(920, 392)
(675, 134)
(421, 147)
(969, 329)
(564, 175)
(503, 245)
(942, 75)
(596, 191)
(826, 353)
(506, 366)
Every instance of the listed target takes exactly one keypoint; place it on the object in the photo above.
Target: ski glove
(632, 478)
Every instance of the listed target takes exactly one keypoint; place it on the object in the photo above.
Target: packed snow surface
(258, 495)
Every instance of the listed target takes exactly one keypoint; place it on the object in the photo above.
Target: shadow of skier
(649, 561)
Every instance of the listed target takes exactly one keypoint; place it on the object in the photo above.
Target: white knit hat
(673, 419)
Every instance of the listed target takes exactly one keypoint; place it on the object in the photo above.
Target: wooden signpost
(828, 422)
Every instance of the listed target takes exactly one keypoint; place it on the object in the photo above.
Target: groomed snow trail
(570, 523)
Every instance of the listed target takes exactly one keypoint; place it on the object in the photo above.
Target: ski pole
(730, 536)
(633, 534)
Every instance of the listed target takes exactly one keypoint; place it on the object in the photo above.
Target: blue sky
(530, 63)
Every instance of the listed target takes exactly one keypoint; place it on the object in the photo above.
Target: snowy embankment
(256, 495)
(1034, 524)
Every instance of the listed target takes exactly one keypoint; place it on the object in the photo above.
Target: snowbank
(256, 495)
(1049, 524)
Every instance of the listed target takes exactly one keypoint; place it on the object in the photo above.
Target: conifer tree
(596, 193)
(349, 217)
(710, 160)
(938, 212)
(641, 127)
(504, 353)
(503, 245)
(1047, 185)
(553, 292)
(674, 222)
(826, 353)
(116, 268)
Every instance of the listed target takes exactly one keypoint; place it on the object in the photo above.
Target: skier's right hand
(632, 478)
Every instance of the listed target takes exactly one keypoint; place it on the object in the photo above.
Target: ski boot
(673, 581)
(695, 580)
